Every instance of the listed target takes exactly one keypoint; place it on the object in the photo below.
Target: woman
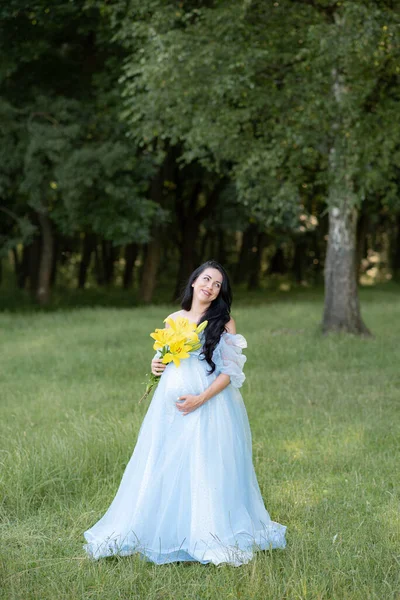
(189, 492)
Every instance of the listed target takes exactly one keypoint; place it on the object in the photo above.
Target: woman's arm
(191, 402)
(230, 327)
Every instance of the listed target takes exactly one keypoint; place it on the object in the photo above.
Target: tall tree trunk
(189, 219)
(46, 260)
(89, 242)
(34, 264)
(131, 252)
(188, 256)
(98, 265)
(278, 264)
(150, 269)
(255, 269)
(152, 257)
(189, 229)
(56, 250)
(245, 254)
(341, 309)
(108, 253)
(299, 258)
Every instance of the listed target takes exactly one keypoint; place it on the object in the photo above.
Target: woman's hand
(157, 367)
(189, 404)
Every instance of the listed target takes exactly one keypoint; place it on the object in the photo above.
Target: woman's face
(207, 285)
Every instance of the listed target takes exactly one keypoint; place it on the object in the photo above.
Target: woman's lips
(206, 293)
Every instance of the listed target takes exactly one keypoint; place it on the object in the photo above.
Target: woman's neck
(197, 310)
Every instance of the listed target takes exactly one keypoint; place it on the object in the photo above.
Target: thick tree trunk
(150, 269)
(278, 264)
(46, 260)
(246, 254)
(299, 258)
(131, 252)
(89, 243)
(108, 258)
(342, 309)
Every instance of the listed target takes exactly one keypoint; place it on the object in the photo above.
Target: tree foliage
(183, 123)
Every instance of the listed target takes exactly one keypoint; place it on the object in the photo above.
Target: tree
(74, 166)
(277, 93)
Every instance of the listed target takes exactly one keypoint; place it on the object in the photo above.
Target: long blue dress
(189, 491)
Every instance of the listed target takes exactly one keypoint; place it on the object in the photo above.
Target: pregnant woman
(189, 491)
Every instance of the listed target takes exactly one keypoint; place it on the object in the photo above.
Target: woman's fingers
(181, 403)
(157, 366)
(184, 406)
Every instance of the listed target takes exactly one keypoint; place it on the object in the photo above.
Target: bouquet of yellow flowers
(174, 343)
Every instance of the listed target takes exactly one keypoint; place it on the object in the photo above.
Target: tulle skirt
(189, 491)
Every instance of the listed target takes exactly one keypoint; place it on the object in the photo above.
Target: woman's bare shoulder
(230, 327)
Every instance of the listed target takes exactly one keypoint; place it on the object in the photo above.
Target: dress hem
(222, 553)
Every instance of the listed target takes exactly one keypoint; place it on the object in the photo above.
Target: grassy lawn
(324, 413)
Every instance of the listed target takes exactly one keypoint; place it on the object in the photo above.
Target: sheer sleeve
(228, 357)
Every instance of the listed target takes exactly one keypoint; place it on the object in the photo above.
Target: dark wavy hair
(218, 313)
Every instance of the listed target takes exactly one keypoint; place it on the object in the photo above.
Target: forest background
(140, 138)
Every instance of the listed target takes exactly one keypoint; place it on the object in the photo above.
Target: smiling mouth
(206, 293)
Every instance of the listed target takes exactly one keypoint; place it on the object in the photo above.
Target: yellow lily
(195, 346)
(163, 337)
(174, 344)
(177, 351)
(201, 327)
(181, 325)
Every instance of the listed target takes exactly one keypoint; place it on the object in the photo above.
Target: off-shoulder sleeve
(228, 357)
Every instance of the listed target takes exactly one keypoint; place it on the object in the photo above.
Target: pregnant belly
(189, 378)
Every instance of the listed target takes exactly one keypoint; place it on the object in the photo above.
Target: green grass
(324, 413)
